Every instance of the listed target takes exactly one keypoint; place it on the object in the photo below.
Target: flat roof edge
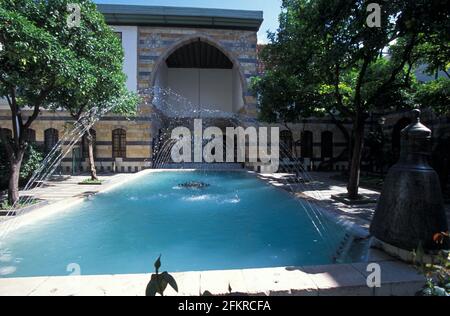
(153, 15)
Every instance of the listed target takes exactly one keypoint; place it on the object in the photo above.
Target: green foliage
(47, 63)
(126, 103)
(91, 182)
(437, 273)
(32, 160)
(5, 206)
(159, 281)
(31, 57)
(324, 57)
(100, 81)
(286, 98)
(435, 94)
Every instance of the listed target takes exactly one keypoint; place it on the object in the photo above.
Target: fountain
(193, 185)
(164, 105)
(71, 137)
(410, 210)
(167, 102)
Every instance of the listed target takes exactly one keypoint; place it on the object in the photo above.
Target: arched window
(85, 144)
(286, 142)
(5, 132)
(307, 144)
(30, 136)
(327, 144)
(50, 139)
(119, 143)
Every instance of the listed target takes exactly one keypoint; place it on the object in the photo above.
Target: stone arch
(119, 126)
(209, 40)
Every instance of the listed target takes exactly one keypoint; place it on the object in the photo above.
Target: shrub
(32, 160)
(437, 272)
(91, 182)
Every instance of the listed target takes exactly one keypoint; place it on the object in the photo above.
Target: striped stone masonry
(155, 44)
(139, 139)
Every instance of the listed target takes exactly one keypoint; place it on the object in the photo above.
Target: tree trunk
(355, 167)
(346, 153)
(14, 176)
(91, 156)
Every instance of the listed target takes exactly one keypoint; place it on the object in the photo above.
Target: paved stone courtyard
(62, 188)
(68, 186)
(322, 186)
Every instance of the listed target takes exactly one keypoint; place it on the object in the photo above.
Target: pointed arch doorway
(204, 73)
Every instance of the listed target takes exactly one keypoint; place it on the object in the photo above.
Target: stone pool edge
(397, 278)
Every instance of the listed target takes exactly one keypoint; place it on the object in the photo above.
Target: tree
(434, 56)
(32, 159)
(328, 48)
(33, 63)
(99, 65)
(40, 58)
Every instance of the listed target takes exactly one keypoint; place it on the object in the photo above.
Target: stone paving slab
(188, 284)
(279, 282)
(338, 280)
(222, 282)
(400, 278)
(20, 286)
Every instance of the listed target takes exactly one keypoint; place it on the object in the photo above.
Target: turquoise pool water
(238, 221)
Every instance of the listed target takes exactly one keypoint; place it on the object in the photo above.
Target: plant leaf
(440, 291)
(158, 263)
(152, 286)
(161, 284)
(170, 280)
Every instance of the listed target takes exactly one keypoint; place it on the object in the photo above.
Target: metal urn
(410, 210)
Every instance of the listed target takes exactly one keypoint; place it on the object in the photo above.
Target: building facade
(206, 56)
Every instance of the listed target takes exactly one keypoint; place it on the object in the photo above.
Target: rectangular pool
(236, 221)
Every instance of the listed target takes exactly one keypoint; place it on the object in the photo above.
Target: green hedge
(32, 160)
